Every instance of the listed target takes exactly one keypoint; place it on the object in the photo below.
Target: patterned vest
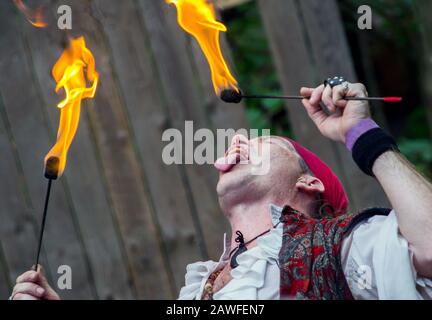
(310, 260)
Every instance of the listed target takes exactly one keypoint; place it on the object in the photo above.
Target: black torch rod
(235, 96)
(385, 99)
(42, 229)
(51, 173)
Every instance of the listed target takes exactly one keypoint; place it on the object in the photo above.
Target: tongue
(225, 164)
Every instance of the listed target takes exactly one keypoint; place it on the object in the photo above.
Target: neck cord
(242, 246)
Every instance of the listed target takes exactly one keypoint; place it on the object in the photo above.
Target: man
(291, 235)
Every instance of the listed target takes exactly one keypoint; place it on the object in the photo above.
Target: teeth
(234, 150)
(237, 150)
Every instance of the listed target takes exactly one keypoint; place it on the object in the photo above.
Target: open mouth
(234, 155)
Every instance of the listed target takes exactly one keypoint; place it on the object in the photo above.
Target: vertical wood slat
(26, 117)
(300, 63)
(183, 102)
(422, 11)
(332, 57)
(121, 165)
(133, 73)
(121, 168)
(17, 228)
(222, 115)
(5, 282)
(365, 53)
(83, 177)
(137, 78)
(284, 31)
(175, 101)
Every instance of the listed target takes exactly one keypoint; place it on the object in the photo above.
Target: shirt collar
(276, 213)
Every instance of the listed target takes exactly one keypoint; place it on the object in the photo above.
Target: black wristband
(370, 146)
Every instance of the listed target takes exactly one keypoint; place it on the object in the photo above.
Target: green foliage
(418, 151)
(416, 127)
(394, 22)
(396, 41)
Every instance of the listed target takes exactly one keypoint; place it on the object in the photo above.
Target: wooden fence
(124, 222)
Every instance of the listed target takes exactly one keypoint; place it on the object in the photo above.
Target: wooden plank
(365, 53)
(138, 83)
(422, 11)
(122, 169)
(296, 59)
(222, 115)
(18, 227)
(209, 111)
(293, 62)
(84, 178)
(183, 103)
(217, 114)
(24, 110)
(5, 282)
(227, 4)
(329, 46)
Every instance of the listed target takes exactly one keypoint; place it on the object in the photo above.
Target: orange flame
(35, 17)
(69, 72)
(198, 18)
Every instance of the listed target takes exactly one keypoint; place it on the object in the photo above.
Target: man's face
(242, 167)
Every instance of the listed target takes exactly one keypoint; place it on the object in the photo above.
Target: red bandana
(334, 194)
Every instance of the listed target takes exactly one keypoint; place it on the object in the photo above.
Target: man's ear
(310, 184)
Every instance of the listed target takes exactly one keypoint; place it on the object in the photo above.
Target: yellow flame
(35, 17)
(70, 73)
(198, 18)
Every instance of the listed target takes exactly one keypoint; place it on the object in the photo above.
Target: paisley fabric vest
(310, 257)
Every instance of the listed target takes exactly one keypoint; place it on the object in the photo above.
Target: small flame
(69, 72)
(35, 17)
(198, 18)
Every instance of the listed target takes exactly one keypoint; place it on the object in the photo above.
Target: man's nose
(239, 139)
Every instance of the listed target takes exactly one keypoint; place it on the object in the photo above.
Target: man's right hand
(33, 285)
(343, 115)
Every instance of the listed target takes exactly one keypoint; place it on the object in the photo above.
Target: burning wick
(52, 168)
(232, 96)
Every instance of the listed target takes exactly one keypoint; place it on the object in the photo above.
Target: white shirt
(376, 261)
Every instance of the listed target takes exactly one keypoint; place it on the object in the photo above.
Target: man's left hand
(343, 114)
